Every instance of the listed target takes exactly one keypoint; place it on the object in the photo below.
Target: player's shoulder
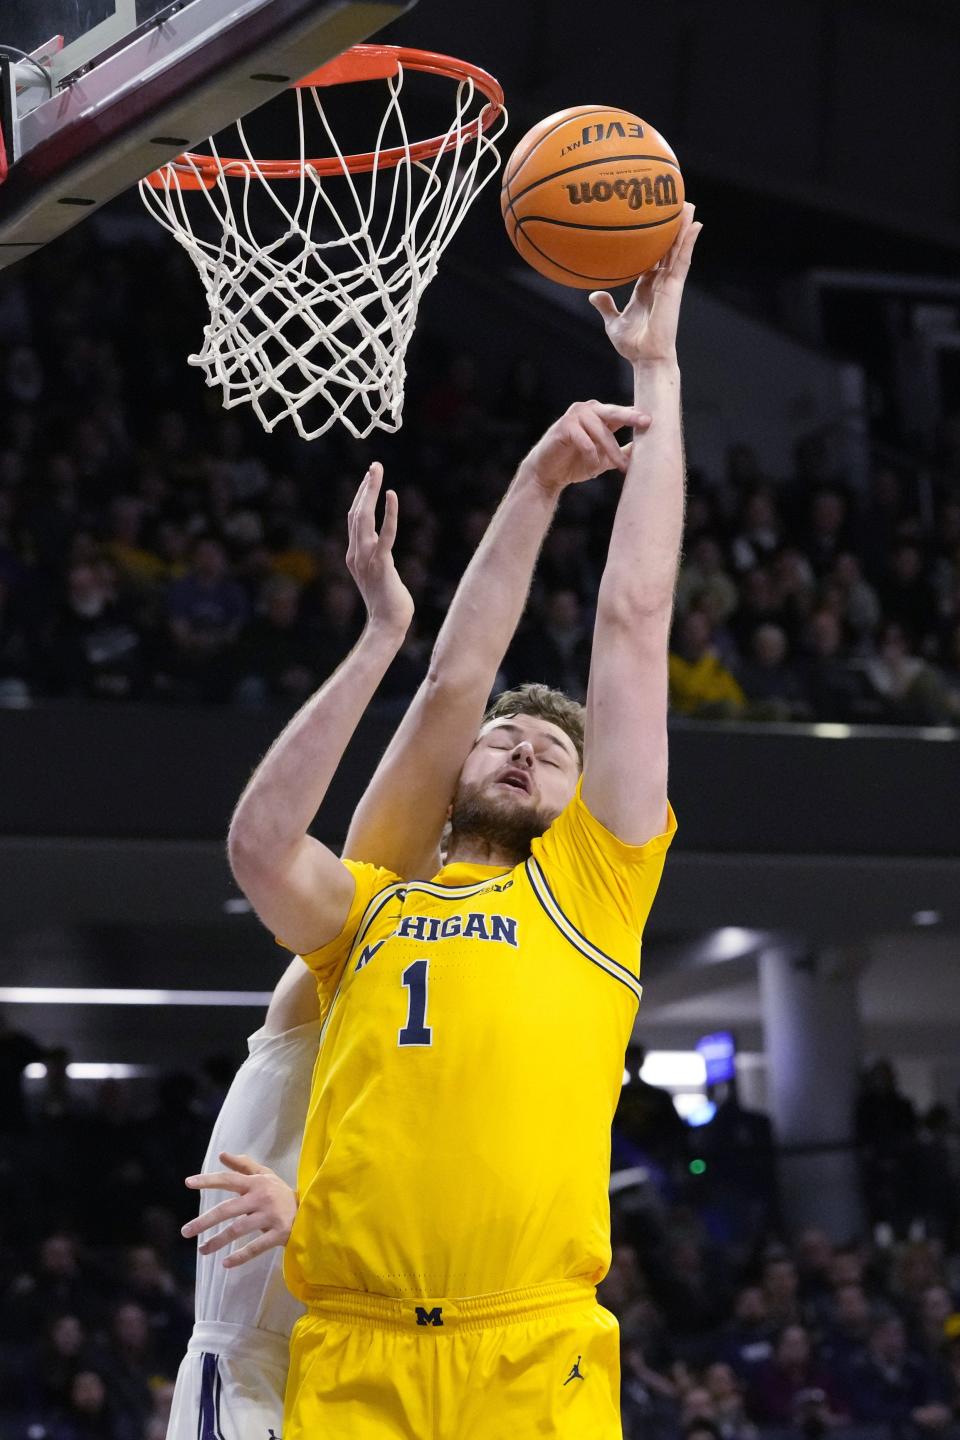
(576, 830)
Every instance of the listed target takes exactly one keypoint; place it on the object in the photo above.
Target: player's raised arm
(400, 818)
(625, 749)
(298, 887)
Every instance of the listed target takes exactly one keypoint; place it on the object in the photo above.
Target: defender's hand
(263, 1202)
(582, 444)
(645, 330)
(370, 556)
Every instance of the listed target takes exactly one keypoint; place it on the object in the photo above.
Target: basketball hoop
(319, 308)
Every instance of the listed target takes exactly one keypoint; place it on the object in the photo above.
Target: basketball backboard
(95, 94)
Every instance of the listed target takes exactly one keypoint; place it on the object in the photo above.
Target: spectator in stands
(159, 1307)
(333, 621)
(135, 562)
(96, 649)
(757, 605)
(206, 610)
(769, 681)
(646, 1116)
(89, 1414)
(907, 690)
(729, 1404)
(556, 647)
(889, 1386)
(784, 1387)
(55, 1284)
(699, 684)
(747, 1341)
(847, 1329)
(648, 1398)
(128, 1363)
(49, 1374)
(702, 574)
(885, 1125)
(906, 593)
(929, 1331)
(693, 1293)
(859, 604)
(883, 517)
(759, 533)
(834, 690)
(828, 530)
(274, 657)
(781, 1289)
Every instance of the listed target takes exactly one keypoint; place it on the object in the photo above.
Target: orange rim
(360, 62)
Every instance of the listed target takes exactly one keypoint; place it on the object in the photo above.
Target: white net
(314, 296)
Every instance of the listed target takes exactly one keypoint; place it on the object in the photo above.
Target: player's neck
(476, 850)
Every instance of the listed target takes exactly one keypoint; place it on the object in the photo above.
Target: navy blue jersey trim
(570, 933)
(546, 885)
(207, 1425)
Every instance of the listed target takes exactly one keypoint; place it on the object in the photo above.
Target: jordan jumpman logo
(575, 1372)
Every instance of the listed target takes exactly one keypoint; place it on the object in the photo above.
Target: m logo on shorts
(430, 1317)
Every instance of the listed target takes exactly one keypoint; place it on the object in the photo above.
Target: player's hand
(370, 556)
(645, 330)
(582, 444)
(263, 1202)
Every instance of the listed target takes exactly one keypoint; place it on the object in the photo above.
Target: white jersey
(231, 1382)
(262, 1116)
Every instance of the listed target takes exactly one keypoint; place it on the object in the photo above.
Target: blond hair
(546, 704)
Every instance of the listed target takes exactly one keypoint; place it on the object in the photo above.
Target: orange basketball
(592, 197)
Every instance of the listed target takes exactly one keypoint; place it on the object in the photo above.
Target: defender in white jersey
(231, 1382)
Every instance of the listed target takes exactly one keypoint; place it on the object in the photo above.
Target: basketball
(592, 196)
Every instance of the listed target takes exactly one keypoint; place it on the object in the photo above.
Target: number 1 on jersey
(416, 1031)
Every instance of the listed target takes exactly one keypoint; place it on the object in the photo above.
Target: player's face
(520, 774)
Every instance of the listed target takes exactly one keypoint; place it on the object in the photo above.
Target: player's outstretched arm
(401, 815)
(625, 750)
(262, 1202)
(298, 887)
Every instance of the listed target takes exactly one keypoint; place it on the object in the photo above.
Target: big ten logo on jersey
(613, 129)
(637, 190)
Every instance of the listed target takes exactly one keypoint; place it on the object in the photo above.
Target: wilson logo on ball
(638, 191)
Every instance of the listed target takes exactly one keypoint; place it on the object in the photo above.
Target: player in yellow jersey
(451, 1219)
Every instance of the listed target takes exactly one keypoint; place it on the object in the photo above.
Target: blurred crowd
(154, 546)
(730, 1329)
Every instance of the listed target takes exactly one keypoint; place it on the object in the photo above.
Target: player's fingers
(681, 265)
(586, 445)
(218, 1180)
(603, 302)
(245, 1225)
(244, 1163)
(388, 527)
(216, 1215)
(267, 1241)
(608, 450)
(616, 416)
(682, 239)
(366, 519)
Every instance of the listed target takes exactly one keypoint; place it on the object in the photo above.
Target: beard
(495, 821)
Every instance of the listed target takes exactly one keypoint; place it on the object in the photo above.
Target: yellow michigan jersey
(457, 1142)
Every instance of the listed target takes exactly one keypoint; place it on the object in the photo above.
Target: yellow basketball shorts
(522, 1364)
